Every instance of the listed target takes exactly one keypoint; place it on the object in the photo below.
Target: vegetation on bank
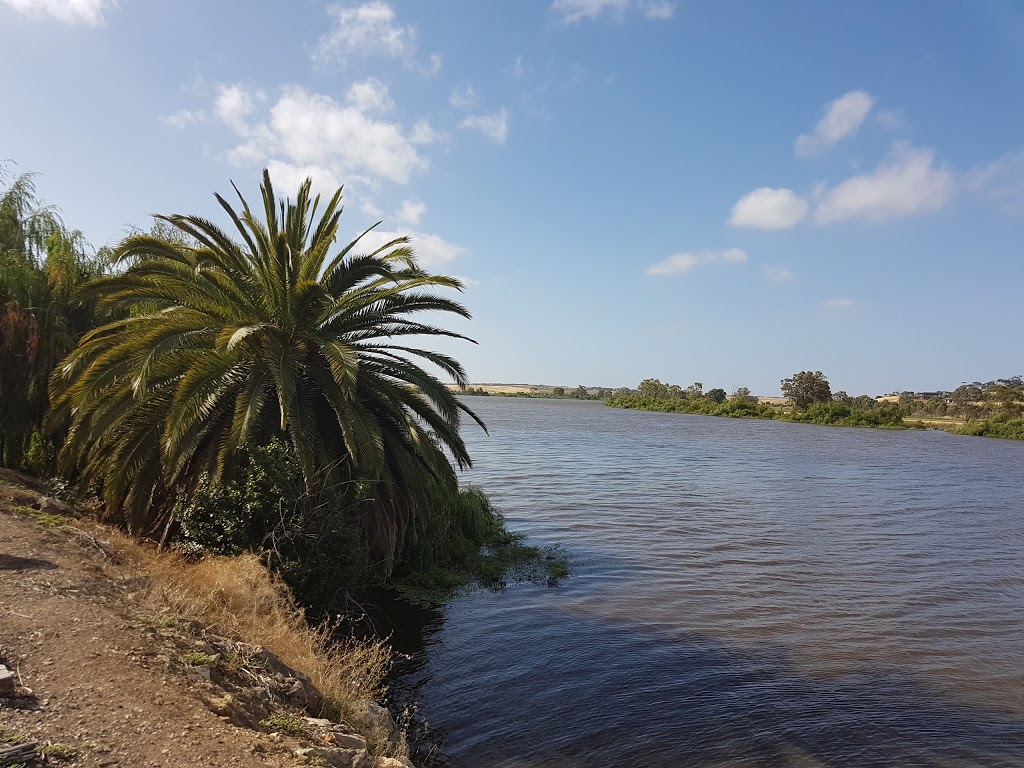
(992, 409)
(810, 392)
(259, 390)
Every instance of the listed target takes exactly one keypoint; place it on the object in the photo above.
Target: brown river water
(743, 594)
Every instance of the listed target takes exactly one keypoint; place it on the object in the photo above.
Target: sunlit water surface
(744, 593)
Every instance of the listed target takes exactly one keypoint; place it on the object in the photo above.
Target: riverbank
(881, 416)
(122, 656)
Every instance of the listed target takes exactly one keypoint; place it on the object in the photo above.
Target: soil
(101, 677)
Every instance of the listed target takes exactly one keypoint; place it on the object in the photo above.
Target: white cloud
(370, 95)
(842, 118)
(494, 127)
(659, 10)
(287, 178)
(370, 29)
(233, 106)
(768, 208)
(837, 305)
(431, 250)
(572, 11)
(1001, 181)
(907, 182)
(184, 118)
(684, 262)
(411, 212)
(464, 98)
(67, 11)
(777, 274)
(423, 133)
(304, 129)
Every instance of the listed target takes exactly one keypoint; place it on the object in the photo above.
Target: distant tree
(718, 395)
(966, 401)
(653, 389)
(841, 397)
(558, 391)
(807, 387)
(695, 390)
(580, 392)
(743, 395)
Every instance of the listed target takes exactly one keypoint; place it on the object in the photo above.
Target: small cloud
(573, 11)
(465, 98)
(233, 106)
(516, 70)
(659, 10)
(842, 118)
(891, 119)
(370, 28)
(411, 212)
(837, 305)
(684, 262)
(422, 133)
(768, 208)
(494, 127)
(1002, 182)
(777, 274)
(88, 12)
(431, 250)
(184, 118)
(370, 96)
(906, 183)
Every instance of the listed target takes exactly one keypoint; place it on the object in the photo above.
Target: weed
(284, 722)
(59, 752)
(197, 659)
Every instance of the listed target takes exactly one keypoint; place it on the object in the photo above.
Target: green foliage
(1002, 425)
(224, 344)
(735, 408)
(465, 541)
(860, 411)
(287, 723)
(848, 415)
(717, 395)
(42, 264)
(807, 387)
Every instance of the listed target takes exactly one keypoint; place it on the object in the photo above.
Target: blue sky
(718, 191)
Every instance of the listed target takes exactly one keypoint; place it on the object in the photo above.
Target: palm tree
(226, 343)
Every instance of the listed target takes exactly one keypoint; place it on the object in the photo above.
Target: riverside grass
(240, 596)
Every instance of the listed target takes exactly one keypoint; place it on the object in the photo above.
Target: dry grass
(239, 596)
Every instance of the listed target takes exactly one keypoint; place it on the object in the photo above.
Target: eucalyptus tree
(228, 340)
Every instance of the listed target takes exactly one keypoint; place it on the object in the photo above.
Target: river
(743, 593)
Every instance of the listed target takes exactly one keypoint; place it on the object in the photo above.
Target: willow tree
(41, 266)
(227, 341)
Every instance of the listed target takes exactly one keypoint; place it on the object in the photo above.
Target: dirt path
(106, 684)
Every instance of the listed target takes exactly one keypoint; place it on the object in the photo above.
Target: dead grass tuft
(239, 596)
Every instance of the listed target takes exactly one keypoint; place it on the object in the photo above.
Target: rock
(202, 671)
(375, 721)
(8, 682)
(300, 687)
(391, 762)
(337, 758)
(52, 506)
(231, 708)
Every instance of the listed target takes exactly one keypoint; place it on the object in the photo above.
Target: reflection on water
(744, 594)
